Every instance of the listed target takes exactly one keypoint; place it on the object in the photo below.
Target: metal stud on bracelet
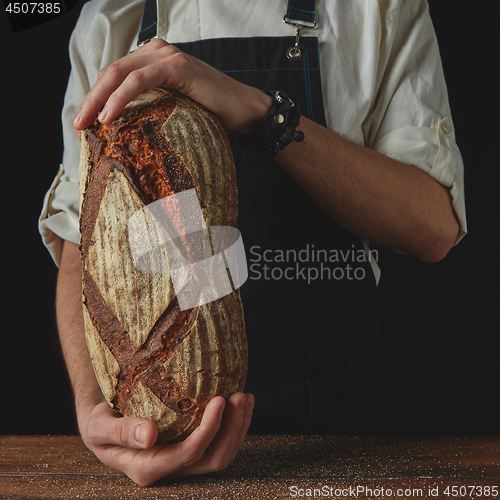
(277, 130)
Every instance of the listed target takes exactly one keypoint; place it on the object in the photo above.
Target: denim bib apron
(309, 300)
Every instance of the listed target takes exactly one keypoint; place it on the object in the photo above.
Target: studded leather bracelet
(277, 130)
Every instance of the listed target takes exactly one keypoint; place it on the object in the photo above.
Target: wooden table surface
(268, 467)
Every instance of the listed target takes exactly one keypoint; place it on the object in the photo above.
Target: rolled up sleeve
(411, 120)
(60, 211)
(104, 33)
(434, 151)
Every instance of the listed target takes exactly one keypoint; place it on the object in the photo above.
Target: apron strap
(149, 23)
(301, 12)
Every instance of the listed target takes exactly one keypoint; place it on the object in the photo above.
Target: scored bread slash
(151, 358)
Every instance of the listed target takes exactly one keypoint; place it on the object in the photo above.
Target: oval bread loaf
(152, 359)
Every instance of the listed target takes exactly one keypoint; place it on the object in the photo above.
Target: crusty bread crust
(151, 359)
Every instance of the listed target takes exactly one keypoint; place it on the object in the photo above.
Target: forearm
(72, 334)
(372, 195)
(376, 197)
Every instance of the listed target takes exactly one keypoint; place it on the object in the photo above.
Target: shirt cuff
(60, 213)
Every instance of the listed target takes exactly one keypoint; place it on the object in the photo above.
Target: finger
(106, 428)
(113, 76)
(210, 425)
(168, 67)
(250, 403)
(148, 466)
(192, 449)
(224, 447)
(136, 82)
(233, 431)
(108, 80)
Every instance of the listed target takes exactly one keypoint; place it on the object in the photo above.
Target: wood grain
(266, 468)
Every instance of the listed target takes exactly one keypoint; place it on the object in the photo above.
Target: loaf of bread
(153, 359)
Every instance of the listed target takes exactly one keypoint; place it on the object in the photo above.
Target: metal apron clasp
(294, 52)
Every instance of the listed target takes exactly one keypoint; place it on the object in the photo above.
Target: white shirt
(381, 74)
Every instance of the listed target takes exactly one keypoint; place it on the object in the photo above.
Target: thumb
(106, 428)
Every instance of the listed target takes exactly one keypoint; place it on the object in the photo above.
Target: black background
(439, 321)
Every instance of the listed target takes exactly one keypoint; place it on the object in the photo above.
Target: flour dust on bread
(152, 359)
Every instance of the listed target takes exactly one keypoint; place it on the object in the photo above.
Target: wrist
(86, 401)
(257, 104)
(278, 127)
